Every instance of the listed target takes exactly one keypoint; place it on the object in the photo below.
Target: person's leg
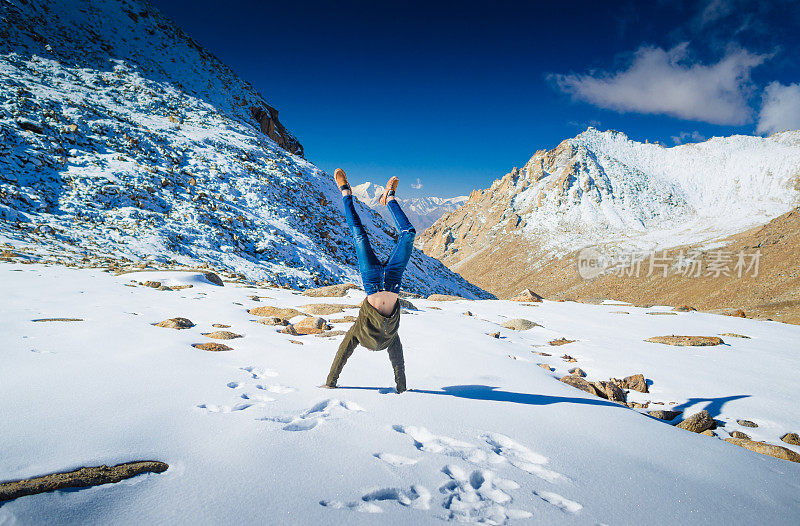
(368, 265)
(397, 262)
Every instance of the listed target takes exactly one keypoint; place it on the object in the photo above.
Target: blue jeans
(375, 275)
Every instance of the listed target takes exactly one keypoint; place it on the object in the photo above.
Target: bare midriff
(383, 301)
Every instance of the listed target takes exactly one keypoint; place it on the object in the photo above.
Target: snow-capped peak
(421, 211)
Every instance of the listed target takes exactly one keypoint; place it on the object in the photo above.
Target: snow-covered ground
(421, 211)
(484, 434)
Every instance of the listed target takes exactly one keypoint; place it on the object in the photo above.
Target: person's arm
(398, 363)
(346, 348)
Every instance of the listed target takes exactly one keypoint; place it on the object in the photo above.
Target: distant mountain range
(603, 190)
(421, 211)
(123, 139)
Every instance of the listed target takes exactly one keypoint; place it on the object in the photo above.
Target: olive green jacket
(374, 331)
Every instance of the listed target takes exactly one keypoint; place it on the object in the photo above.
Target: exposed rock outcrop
(79, 478)
(520, 324)
(324, 309)
(698, 422)
(686, 340)
(772, 450)
(176, 323)
(278, 312)
(527, 295)
(579, 383)
(212, 347)
(222, 335)
(665, 415)
(330, 291)
(267, 119)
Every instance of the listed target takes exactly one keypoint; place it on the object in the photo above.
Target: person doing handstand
(379, 318)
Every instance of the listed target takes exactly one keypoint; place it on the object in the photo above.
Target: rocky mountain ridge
(121, 138)
(601, 189)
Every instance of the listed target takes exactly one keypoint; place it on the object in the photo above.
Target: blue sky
(455, 94)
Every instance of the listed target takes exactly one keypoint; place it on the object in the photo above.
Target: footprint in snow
(417, 497)
(521, 457)
(214, 408)
(479, 496)
(396, 460)
(569, 506)
(257, 373)
(276, 388)
(426, 441)
(258, 397)
(315, 415)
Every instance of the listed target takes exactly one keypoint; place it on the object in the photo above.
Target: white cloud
(684, 137)
(665, 82)
(780, 108)
(417, 186)
(715, 10)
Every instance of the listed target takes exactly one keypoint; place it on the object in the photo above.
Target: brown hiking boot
(391, 186)
(341, 179)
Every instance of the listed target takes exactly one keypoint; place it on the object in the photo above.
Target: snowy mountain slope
(603, 189)
(485, 435)
(121, 137)
(421, 211)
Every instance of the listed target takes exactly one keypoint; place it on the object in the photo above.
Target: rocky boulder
(330, 291)
(520, 324)
(222, 335)
(324, 309)
(610, 391)
(698, 422)
(272, 320)
(527, 295)
(636, 382)
(346, 319)
(686, 340)
(406, 304)
(791, 438)
(444, 297)
(212, 347)
(328, 334)
(747, 423)
(579, 383)
(176, 323)
(267, 310)
(766, 449)
(211, 277)
(79, 478)
(665, 415)
(309, 325)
